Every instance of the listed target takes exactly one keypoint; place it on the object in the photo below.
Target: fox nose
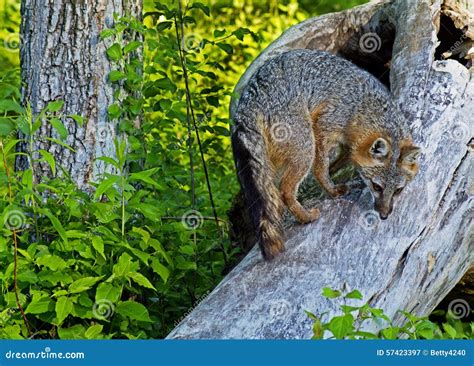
(383, 216)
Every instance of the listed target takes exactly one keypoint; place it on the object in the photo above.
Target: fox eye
(377, 188)
(398, 191)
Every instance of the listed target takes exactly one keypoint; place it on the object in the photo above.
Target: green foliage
(9, 34)
(359, 315)
(129, 257)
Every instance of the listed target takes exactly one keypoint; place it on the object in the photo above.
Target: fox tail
(256, 178)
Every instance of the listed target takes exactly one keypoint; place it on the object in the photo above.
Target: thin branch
(180, 40)
(188, 118)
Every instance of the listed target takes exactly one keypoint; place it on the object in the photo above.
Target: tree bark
(63, 58)
(414, 258)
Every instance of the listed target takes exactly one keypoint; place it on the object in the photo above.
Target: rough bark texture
(62, 58)
(414, 258)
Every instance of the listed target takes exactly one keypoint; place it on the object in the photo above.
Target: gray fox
(296, 110)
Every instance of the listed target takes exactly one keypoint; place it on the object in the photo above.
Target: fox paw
(314, 214)
(339, 190)
(311, 216)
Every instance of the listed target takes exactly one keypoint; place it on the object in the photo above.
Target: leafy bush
(348, 325)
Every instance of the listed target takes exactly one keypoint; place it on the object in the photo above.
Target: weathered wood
(62, 58)
(409, 261)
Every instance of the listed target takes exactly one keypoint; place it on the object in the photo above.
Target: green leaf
(201, 6)
(40, 305)
(110, 161)
(379, 314)
(116, 76)
(141, 280)
(449, 330)
(164, 25)
(114, 52)
(63, 309)
(55, 106)
(348, 309)
(240, 33)
(166, 84)
(219, 33)
(330, 293)
(225, 47)
(342, 325)
(132, 46)
(114, 111)
(10, 145)
(49, 158)
(59, 127)
(354, 295)
(83, 284)
(52, 262)
(145, 176)
(74, 332)
(56, 224)
(107, 291)
(93, 331)
(426, 333)
(79, 119)
(105, 185)
(123, 266)
(7, 105)
(145, 235)
(160, 269)
(6, 126)
(391, 333)
(12, 331)
(365, 335)
(318, 330)
(143, 256)
(107, 33)
(133, 310)
(98, 245)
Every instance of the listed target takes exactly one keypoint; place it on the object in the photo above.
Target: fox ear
(409, 155)
(379, 149)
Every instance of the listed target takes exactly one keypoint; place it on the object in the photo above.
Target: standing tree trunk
(414, 258)
(63, 58)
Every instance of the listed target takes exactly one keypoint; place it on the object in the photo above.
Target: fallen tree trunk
(414, 258)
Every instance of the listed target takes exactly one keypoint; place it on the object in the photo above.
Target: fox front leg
(321, 168)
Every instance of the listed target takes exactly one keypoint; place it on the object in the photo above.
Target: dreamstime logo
(201, 299)
(369, 220)
(12, 42)
(456, 47)
(460, 132)
(460, 308)
(370, 42)
(192, 220)
(192, 42)
(280, 132)
(14, 220)
(280, 309)
(103, 309)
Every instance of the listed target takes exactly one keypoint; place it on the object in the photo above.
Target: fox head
(387, 167)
